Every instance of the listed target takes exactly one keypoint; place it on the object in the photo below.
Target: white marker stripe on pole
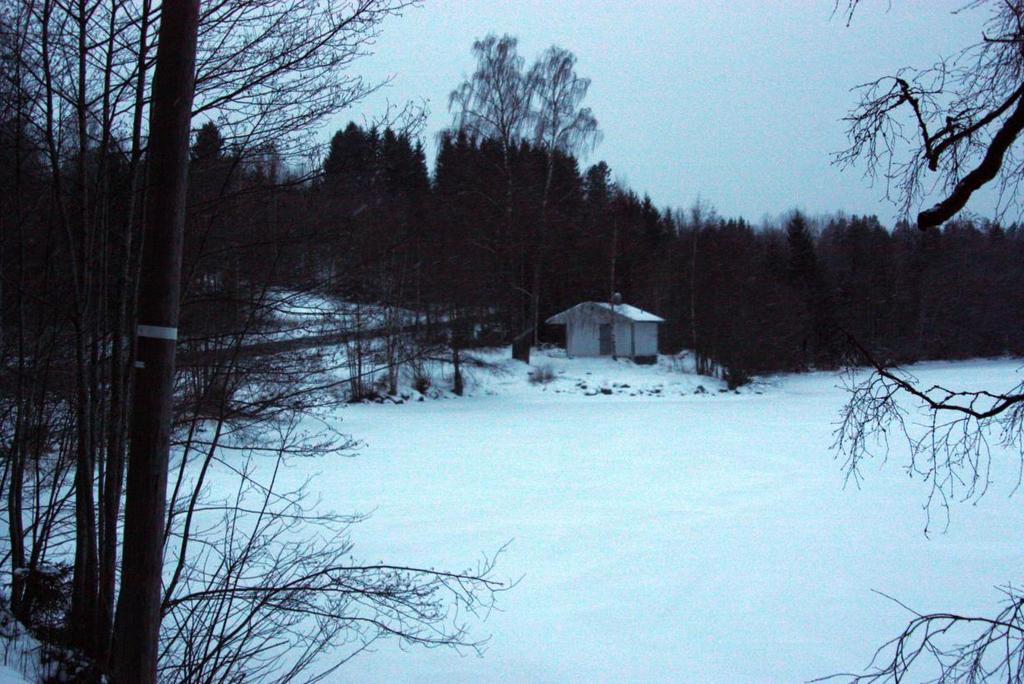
(158, 332)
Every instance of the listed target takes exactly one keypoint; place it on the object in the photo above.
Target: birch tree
(562, 125)
(494, 103)
(504, 102)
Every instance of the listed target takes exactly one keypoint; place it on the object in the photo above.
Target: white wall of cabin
(583, 334)
(646, 338)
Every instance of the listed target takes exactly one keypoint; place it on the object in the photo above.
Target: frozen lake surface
(681, 537)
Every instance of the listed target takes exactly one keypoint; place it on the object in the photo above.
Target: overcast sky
(739, 103)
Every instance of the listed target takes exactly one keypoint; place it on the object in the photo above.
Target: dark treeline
(746, 299)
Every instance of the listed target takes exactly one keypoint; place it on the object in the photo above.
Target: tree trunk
(457, 383)
(121, 355)
(698, 362)
(611, 293)
(541, 249)
(85, 580)
(15, 492)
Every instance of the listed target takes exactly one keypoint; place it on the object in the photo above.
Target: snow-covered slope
(19, 652)
(11, 676)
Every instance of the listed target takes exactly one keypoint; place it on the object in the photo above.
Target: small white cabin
(589, 328)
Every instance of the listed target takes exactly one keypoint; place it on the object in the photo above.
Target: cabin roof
(625, 311)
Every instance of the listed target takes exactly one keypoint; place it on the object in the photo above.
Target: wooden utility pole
(137, 626)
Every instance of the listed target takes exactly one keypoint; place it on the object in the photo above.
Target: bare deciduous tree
(947, 648)
(262, 585)
(495, 101)
(959, 120)
(562, 125)
(503, 102)
(75, 98)
(955, 122)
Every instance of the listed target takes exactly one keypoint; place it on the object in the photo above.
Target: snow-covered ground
(11, 676)
(19, 653)
(295, 315)
(551, 372)
(663, 530)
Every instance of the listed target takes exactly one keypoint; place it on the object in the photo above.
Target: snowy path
(685, 539)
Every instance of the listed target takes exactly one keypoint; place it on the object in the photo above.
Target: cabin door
(605, 338)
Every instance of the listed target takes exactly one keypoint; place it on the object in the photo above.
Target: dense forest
(378, 227)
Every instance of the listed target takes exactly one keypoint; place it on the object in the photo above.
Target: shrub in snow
(421, 382)
(46, 598)
(382, 386)
(38, 652)
(542, 375)
(362, 391)
(735, 376)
